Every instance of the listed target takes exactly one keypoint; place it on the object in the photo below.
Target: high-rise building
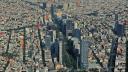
(52, 10)
(69, 27)
(54, 35)
(77, 33)
(48, 41)
(84, 54)
(76, 44)
(55, 51)
(60, 52)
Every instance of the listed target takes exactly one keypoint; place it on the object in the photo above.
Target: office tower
(77, 33)
(75, 25)
(52, 10)
(69, 27)
(55, 50)
(119, 27)
(60, 52)
(84, 54)
(63, 29)
(48, 41)
(43, 5)
(54, 35)
(76, 44)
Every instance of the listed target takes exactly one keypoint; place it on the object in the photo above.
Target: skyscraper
(77, 33)
(60, 52)
(48, 41)
(84, 54)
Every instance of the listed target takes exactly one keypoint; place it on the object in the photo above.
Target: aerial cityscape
(63, 35)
